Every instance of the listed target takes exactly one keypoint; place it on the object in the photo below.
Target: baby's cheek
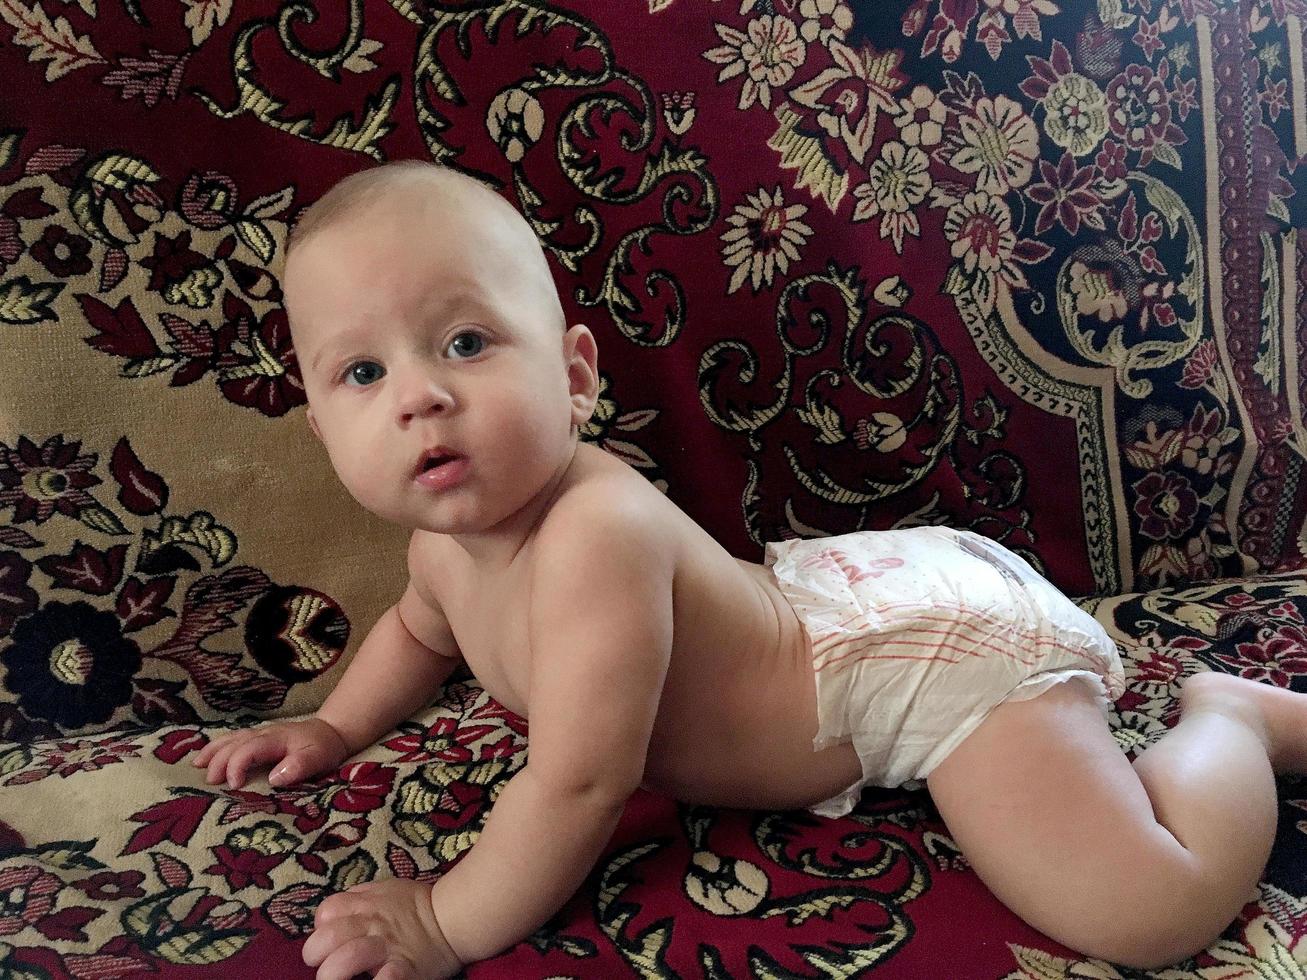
(364, 480)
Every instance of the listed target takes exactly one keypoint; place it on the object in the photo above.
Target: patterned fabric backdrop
(1028, 267)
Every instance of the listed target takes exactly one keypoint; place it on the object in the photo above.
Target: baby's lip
(433, 457)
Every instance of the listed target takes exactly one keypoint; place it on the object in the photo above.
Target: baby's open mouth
(434, 457)
(440, 467)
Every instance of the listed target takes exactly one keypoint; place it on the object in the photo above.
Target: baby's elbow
(599, 792)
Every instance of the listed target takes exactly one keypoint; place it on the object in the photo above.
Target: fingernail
(277, 776)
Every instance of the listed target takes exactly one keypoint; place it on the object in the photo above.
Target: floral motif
(363, 787)
(765, 235)
(678, 111)
(896, 183)
(725, 887)
(445, 741)
(37, 481)
(998, 143)
(295, 634)
(249, 855)
(1278, 656)
(951, 25)
(769, 51)
(1097, 291)
(66, 757)
(849, 95)
(979, 230)
(1166, 505)
(70, 664)
(1139, 111)
(515, 121)
(824, 20)
(921, 117)
(209, 200)
(1066, 195)
(608, 420)
(1076, 114)
(1262, 946)
(27, 895)
(180, 274)
(112, 885)
(62, 253)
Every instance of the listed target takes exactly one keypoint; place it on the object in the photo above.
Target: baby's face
(427, 332)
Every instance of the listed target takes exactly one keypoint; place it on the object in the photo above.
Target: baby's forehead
(429, 227)
(439, 232)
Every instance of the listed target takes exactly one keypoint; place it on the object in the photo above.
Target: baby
(448, 390)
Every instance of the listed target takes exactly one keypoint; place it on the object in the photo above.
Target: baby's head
(426, 321)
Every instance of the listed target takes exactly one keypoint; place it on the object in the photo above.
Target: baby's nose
(422, 398)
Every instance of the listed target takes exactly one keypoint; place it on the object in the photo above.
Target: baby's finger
(203, 756)
(254, 752)
(300, 763)
(218, 761)
(360, 955)
(323, 941)
(220, 764)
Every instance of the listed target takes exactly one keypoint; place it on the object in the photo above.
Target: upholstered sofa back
(1029, 268)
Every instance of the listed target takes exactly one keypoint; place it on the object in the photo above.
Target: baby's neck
(497, 547)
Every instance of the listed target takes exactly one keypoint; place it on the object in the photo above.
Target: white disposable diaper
(917, 634)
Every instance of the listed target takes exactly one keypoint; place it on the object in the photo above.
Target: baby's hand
(303, 748)
(386, 928)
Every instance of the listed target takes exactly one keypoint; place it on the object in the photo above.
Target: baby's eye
(466, 345)
(364, 372)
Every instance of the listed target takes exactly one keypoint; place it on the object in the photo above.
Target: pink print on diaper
(835, 560)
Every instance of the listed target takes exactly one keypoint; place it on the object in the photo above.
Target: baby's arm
(601, 636)
(405, 658)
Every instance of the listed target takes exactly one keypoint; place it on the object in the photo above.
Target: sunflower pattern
(1028, 267)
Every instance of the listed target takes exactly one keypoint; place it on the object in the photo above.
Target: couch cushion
(117, 856)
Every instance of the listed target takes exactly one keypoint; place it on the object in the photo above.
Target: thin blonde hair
(353, 194)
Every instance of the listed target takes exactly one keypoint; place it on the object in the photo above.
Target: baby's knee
(1153, 931)
(1219, 691)
(1234, 697)
(1150, 945)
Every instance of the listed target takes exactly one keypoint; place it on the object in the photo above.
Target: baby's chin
(439, 523)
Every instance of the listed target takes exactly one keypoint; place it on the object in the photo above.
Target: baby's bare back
(738, 708)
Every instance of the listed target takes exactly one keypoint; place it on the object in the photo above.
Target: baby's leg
(1142, 866)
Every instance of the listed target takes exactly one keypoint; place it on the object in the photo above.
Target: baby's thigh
(1054, 820)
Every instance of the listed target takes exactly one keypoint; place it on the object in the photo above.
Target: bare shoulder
(609, 515)
(418, 608)
(422, 560)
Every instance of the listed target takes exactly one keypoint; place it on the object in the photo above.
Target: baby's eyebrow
(331, 348)
(459, 297)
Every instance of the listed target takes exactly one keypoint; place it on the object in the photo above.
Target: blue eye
(467, 345)
(376, 371)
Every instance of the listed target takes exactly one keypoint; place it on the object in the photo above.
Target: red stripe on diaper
(949, 640)
(976, 614)
(832, 639)
(931, 651)
(881, 649)
(934, 655)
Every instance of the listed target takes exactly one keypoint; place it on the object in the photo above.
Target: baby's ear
(581, 355)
